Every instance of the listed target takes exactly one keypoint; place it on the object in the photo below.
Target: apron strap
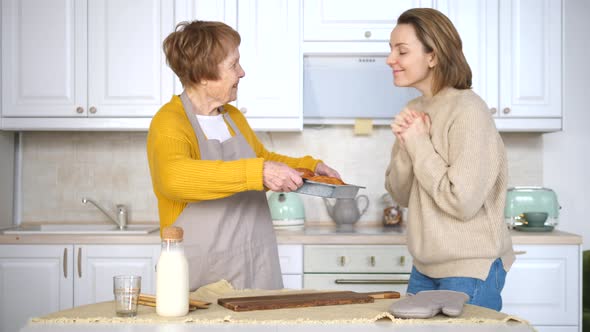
(231, 123)
(188, 109)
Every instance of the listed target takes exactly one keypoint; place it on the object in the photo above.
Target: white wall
(59, 168)
(566, 154)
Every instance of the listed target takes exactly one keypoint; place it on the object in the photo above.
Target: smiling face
(411, 65)
(225, 89)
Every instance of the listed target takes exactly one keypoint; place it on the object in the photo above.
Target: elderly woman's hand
(280, 177)
(323, 169)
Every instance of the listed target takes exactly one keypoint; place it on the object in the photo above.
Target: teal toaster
(532, 199)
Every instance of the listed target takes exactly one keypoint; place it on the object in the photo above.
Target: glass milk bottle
(172, 291)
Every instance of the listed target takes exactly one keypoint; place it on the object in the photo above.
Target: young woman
(448, 165)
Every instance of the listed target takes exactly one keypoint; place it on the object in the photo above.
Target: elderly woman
(209, 171)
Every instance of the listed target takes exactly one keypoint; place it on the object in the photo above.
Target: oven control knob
(373, 260)
(402, 260)
(342, 260)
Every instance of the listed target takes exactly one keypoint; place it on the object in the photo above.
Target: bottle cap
(172, 233)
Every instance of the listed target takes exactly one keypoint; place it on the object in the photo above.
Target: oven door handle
(371, 281)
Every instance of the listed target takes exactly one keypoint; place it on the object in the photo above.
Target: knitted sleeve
(180, 177)
(399, 175)
(461, 185)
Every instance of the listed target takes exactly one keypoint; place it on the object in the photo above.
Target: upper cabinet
(84, 64)
(270, 93)
(514, 50)
(333, 26)
(99, 64)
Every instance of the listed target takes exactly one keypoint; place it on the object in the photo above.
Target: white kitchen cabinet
(332, 26)
(349, 20)
(544, 286)
(34, 280)
(84, 64)
(514, 50)
(270, 93)
(291, 260)
(39, 279)
(96, 265)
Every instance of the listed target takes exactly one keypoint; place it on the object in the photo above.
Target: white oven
(360, 268)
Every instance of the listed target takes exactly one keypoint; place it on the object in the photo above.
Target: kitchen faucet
(120, 221)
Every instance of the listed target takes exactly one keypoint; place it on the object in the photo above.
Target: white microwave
(340, 89)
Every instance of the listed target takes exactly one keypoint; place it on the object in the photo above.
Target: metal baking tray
(328, 190)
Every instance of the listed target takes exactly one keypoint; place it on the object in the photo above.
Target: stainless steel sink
(106, 229)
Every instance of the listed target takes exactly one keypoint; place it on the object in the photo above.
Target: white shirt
(214, 127)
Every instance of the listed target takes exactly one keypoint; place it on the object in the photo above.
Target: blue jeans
(482, 293)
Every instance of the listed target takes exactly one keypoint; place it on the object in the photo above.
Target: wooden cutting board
(302, 300)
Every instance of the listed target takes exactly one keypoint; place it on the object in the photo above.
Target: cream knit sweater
(454, 185)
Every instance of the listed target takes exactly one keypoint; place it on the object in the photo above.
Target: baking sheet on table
(328, 190)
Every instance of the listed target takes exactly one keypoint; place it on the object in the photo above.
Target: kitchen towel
(104, 312)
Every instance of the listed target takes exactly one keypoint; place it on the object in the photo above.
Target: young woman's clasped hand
(409, 123)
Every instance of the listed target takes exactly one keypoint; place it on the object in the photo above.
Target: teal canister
(286, 210)
(531, 199)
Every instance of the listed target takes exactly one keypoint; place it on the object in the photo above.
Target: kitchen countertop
(377, 326)
(351, 317)
(308, 235)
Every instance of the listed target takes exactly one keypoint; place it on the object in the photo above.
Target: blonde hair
(438, 34)
(195, 50)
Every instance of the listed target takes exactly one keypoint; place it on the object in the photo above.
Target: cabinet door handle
(506, 110)
(65, 262)
(92, 109)
(79, 110)
(371, 281)
(79, 262)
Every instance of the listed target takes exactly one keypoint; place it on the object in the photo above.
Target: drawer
(357, 282)
(356, 259)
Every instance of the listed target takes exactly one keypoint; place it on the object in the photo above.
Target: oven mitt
(427, 304)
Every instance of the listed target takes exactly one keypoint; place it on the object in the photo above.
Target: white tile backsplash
(59, 168)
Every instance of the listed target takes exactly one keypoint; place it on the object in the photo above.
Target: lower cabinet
(39, 279)
(291, 260)
(544, 287)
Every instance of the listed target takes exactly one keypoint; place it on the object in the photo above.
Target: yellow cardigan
(180, 177)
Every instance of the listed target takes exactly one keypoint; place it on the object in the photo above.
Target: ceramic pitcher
(347, 211)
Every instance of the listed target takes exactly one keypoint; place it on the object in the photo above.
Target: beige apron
(230, 238)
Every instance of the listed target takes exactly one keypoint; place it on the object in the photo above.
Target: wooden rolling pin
(150, 301)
